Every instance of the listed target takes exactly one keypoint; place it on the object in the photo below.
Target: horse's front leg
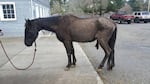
(73, 55)
(68, 47)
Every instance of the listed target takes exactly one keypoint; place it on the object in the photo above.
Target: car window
(145, 13)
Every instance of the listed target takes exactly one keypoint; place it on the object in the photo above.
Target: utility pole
(100, 7)
(93, 9)
(148, 5)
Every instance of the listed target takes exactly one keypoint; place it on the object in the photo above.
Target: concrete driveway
(49, 64)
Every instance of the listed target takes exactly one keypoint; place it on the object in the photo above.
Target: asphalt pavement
(49, 64)
(132, 55)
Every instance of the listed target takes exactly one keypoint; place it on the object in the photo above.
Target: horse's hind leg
(103, 62)
(107, 50)
(111, 59)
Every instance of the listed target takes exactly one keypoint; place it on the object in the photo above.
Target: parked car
(122, 17)
(141, 16)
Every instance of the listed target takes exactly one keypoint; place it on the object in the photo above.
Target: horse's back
(86, 29)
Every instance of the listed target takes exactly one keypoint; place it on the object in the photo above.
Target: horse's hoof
(113, 65)
(73, 66)
(100, 66)
(99, 70)
(67, 69)
(109, 68)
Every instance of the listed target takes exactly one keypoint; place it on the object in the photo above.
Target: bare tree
(58, 6)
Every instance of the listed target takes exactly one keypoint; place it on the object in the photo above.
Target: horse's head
(31, 32)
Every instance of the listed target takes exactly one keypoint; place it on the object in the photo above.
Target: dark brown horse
(69, 28)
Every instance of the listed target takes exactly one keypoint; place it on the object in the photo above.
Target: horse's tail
(111, 41)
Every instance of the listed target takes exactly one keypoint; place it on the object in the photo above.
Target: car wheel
(145, 21)
(129, 21)
(136, 20)
(120, 21)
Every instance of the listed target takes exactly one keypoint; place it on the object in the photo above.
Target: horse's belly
(83, 37)
(83, 31)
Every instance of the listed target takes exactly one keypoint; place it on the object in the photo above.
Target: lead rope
(17, 68)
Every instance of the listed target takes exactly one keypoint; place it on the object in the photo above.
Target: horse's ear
(28, 21)
(25, 19)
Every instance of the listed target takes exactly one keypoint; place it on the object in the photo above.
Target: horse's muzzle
(28, 44)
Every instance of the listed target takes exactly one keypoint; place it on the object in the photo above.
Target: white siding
(25, 9)
(40, 10)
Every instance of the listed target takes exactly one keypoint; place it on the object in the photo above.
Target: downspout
(31, 3)
(148, 5)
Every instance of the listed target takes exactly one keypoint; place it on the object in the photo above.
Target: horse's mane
(47, 20)
(55, 18)
(71, 15)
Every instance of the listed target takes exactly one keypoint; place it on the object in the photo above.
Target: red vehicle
(122, 17)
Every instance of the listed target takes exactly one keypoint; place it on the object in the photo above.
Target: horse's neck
(47, 24)
(52, 29)
(48, 27)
